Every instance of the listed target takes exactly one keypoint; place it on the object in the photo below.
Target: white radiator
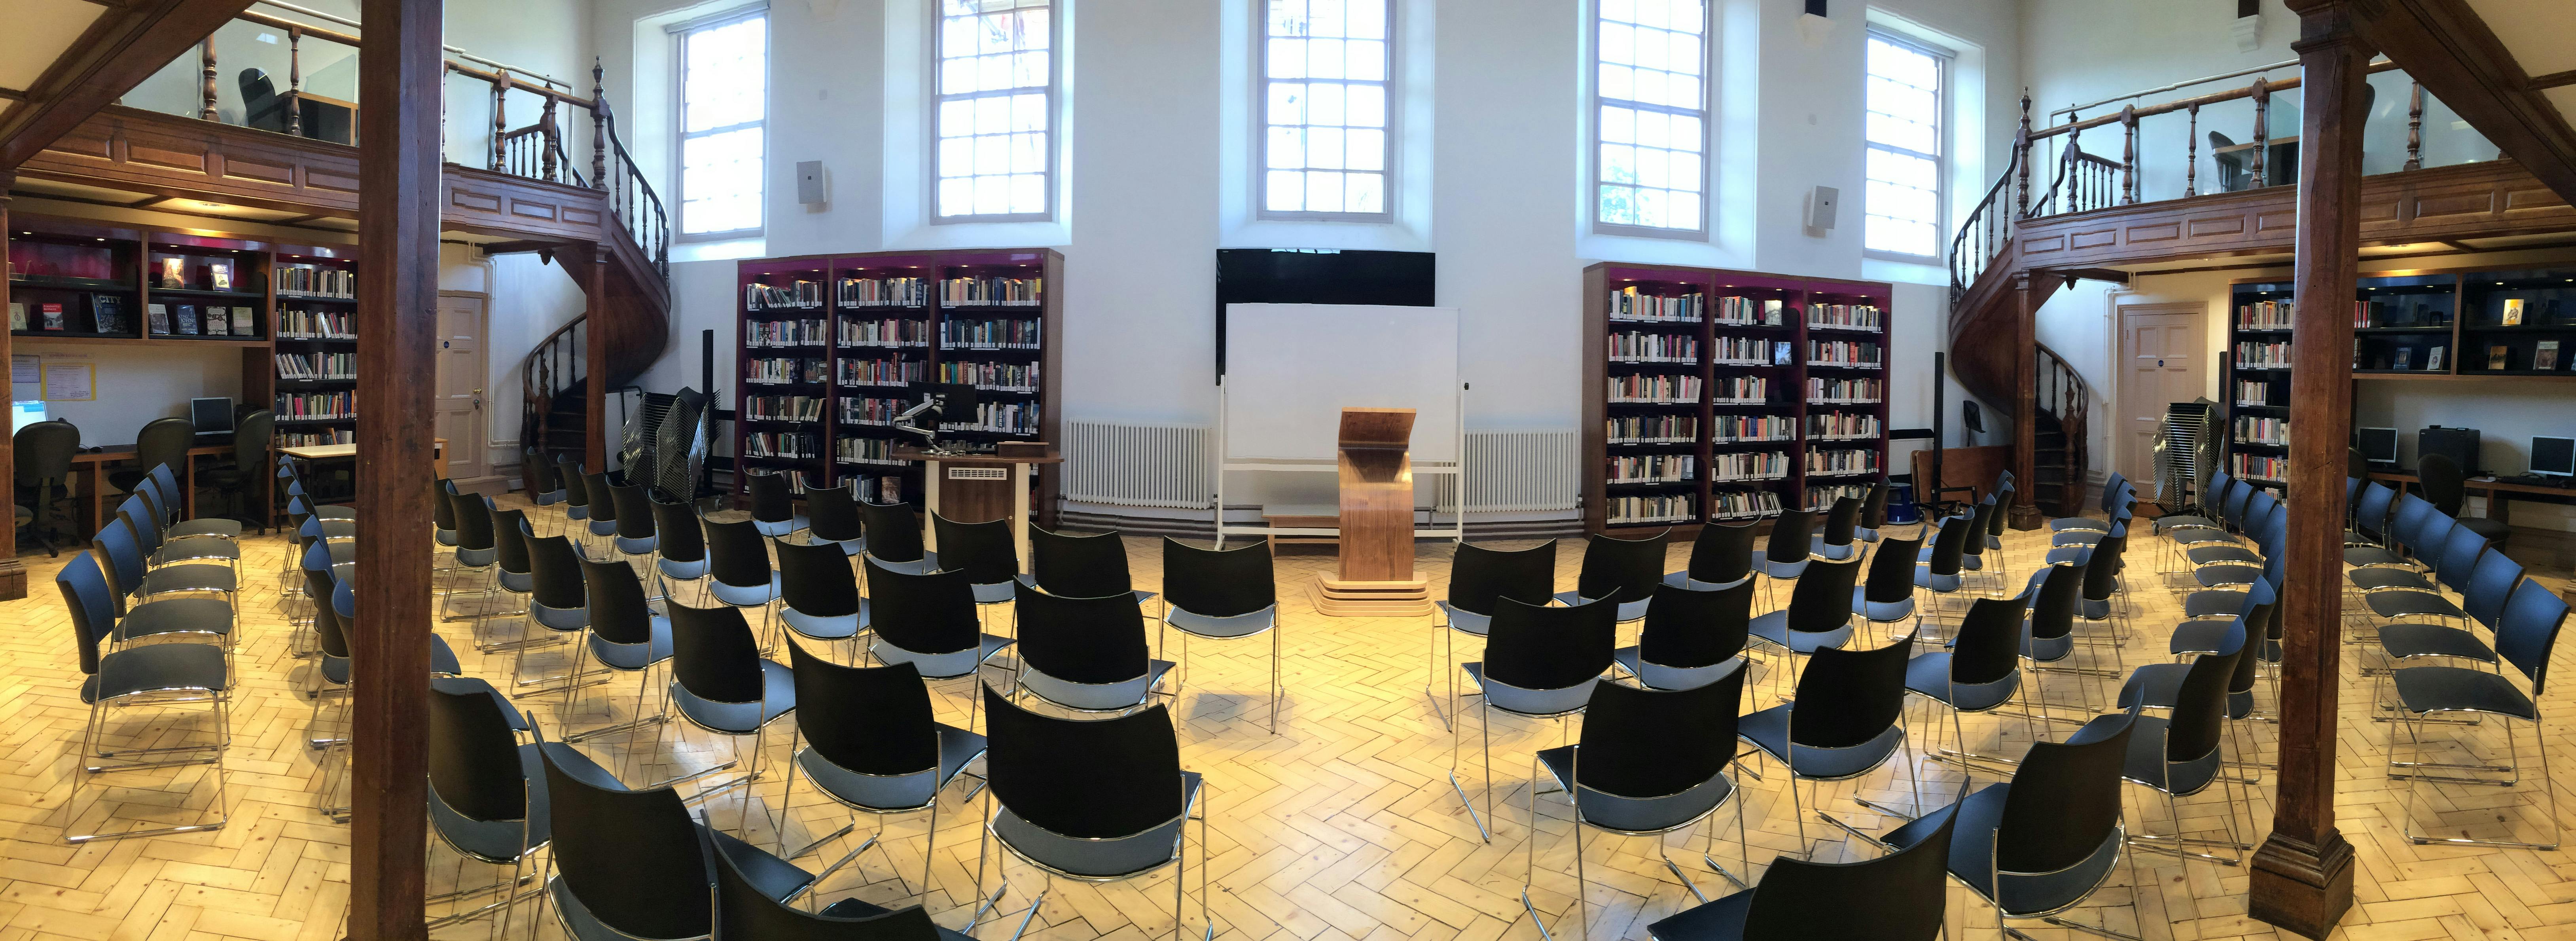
(1138, 465)
(1520, 470)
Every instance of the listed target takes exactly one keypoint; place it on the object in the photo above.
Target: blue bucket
(1900, 505)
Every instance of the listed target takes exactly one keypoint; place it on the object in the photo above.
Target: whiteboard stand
(1228, 463)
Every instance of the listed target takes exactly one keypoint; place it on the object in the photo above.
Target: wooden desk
(91, 467)
(981, 488)
(349, 452)
(2280, 164)
(2499, 506)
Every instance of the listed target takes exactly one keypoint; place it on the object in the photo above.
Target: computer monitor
(23, 414)
(2378, 445)
(211, 415)
(2553, 457)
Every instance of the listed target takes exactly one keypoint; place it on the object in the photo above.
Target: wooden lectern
(1376, 571)
(981, 488)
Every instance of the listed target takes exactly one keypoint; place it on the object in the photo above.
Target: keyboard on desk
(2534, 480)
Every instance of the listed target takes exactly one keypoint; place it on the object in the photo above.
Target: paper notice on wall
(23, 368)
(71, 382)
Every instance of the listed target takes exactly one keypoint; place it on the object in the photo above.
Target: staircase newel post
(2129, 154)
(598, 126)
(295, 81)
(2025, 512)
(206, 90)
(500, 121)
(2191, 156)
(2021, 160)
(553, 143)
(2415, 126)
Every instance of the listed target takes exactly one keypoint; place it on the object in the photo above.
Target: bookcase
(834, 346)
(316, 348)
(1728, 396)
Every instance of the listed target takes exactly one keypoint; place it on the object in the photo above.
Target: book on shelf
(1841, 461)
(1844, 317)
(17, 315)
(174, 273)
(219, 275)
(1657, 429)
(882, 292)
(245, 321)
(219, 321)
(1628, 303)
(1652, 468)
(2265, 315)
(107, 313)
(795, 295)
(188, 320)
(2496, 355)
(159, 316)
(2433, 358)
(49, 316)
(1748, 312)
(1629, 347)
(1744, 504)
(1741, 351)
(2405, 357)
(1749, 465)
(991, 292)
(2545, 356)
(2513, 311)
(2252, 354)
(316, 281)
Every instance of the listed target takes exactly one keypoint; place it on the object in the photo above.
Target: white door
(460, 384)
(2161, 361)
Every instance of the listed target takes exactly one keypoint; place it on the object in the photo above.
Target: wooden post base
(2299, 887)
(2023, 518)
(1334, 597)
(13, 580)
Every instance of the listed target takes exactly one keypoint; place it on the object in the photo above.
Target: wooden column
(594, 365)
(13, 574)
(398, 187)
(2302, 874)
(2025, 507)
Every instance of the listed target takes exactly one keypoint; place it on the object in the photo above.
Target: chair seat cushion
(176, 616)
(1926, 579)
(2154, 686)
(2200, 537)
(1097, 858)
(635, 656)
(928, 563)
(1768, 730)
(1881, 611)
(198, 577)
(2078, 537)
(2213, 603)
(1929, 675)
(156, 667)
(894, 792)
(2371, 555)
(1774, 627)
(996, 592)
(2046, 649)
(639, 545)
(777, 698)
(1461, 619)
(1817, 546)
(1526, 701)
(1720, 919)
(442, 658)
(1628, 610)
(1780, 569)
(1683, 580)
(1095, 697)
(745, 596)
(1241, 625)
(2399, 604)
(945, 664)
(2163, 523)
(2460, 689)
(205, 526)
(1972, 847)
(826, 626)
(2223, 554)
(2433, 640)
(2079, 522)
(2146, 763)
(2069, 555)
(1636, 814)
(780, 527)
(2191, 637)
(1659, 676)
(2382, 577)
(2213, 576)
(686, 570)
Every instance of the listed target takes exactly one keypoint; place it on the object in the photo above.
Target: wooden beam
(594, 285)
(2552, 80)
(119, 50)
(2302, 874)
(398, 192)
(2447, 47)
(2025, 507)
(13, 574)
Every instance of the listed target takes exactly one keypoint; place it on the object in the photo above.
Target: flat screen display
(2378, 445)
(23, 414)
(2554, 457)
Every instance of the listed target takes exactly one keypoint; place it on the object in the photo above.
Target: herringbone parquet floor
(1341, 827)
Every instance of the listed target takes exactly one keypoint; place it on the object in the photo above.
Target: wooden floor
(1341, 827)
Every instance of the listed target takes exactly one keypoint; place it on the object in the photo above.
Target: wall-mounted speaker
(1821, 205)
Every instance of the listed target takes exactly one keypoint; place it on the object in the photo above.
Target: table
(91, 466)
(344, 452)
(2498, 505)
(981, 487)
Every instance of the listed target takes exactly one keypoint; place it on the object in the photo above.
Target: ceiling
(2535, 33)
(39, 32)
(62, 60)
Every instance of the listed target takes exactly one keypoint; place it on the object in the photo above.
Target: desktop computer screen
(23, 414)
(2553, 457)
(211, 415)
(2378, 445)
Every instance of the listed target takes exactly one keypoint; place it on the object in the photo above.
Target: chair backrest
(2102, 566)
(473, 521)
(2111, 488)
(1622, 570)
(1686, 628)
(872, 720)
(2272, 529)
(1950, 544)
(1891, 571)
(1642, 743)
(442, 512)
(541, 472)
(737, 554)
(1900, 896)
(2414, 513)
(251, 434)
(2258, 507)
(2528, 630)
(2491, 583)
(773, 498)
(676, 536)
(631, 857)
(894, 532)
(2460, 552)
(815, 579)
(1478, 576)
(1988, 645)
(330, 631)
(634, 510)
(2371, 514)
(164, 441)
(93, 612)
(510, 535)
(1840, 520)
(1977, 522)
(2003, 503)
(2199, 716)
(2065, 798)
(603, 501)
(1792, 536)
(1873, 508)
(165, 484)
(43, 452)
(147, 523)
(2232, 512)
(984, 551)
(713, 654)
(569, 476)
(557, 568)
(745, 913)
(618, 611)
(1540, 648)
(1847, 697)
(1075, 566)
(1722, 553)
(2052, 613)
(1218, 583)
(932, 612)
(832, 514)
(1087, 779)
(474, 757)
(116, 544)
(2444, 485)
(1822, 600)
(1086, 640)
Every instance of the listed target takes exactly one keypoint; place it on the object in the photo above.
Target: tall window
(1902, 200)
(1651, 175)
(1324, 147)
(996, 101)
(724, 99)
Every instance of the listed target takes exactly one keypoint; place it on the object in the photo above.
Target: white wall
(526, 299)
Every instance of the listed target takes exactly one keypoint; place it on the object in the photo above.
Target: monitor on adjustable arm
(2553, 457)
(2378, 445)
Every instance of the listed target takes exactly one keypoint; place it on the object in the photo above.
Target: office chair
(240, 476)
(141, 675)
(1901, 896)
(2526, 635)
(871, 745)
(162, 441)
(1690, 638)
(1090, 800)
(1223, 594)
(1084, 654)
(42, 454)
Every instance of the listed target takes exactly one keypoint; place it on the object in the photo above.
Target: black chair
(576, 489)
(722, 684)
(487, 792)
(929, 620)
(1623, 571)
(2459, 553)
(1989, 514)
(2446, 487)
(1478, 577)
(1938, 567)
(1853, 721)
(151, 674)
(559, 603)
(442, 517)
(2232, 175)
(1099, 801)
(1721, 556)
(2491, 582)
(1819, 614)
(1873, 513)
(818, 593)
(545, 484)
(1887, 597)
(1897, 897)
(871, 745)
(1085, 654)
(1785, 555)
(746, 913)
(1075, 566)
(894, 538)
(261, 108)
(130, 577)
(1690, 638)
(161, 549)
(773, 505)
(162, 441)
(2526, 634)
(2222, 487)
(625, 636)
(1220, 595)
(248, 470)
(475, 550)
(832, 515)
(162, 484)
(631, 863)
(513, 571)
(679, 547)
(739, 572)
(602, 504)
(2040, 844)
(1842, 527)
(2183, 754)
(1650, 762)
(635, 530)
(2117, 492)
(1540, 663)
(984, 551)
(1980, 672)
(41, 459)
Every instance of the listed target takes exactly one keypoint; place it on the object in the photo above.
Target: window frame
(1261, 124)
(1943, 61)
(1054, 130)
(1707, 114)
(681, 135)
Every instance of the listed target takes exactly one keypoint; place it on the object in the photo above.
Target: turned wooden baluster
(2191, 156)
(2129, 154)
(500, 123)
(598, 126)
(551, 145)
(206, 93)
(2021, 158)
(2262, 133)
(295, 80)
(2415, 126)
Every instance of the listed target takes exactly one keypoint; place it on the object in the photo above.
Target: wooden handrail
(2187, 104)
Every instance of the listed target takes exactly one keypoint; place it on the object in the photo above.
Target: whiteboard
(1291, 368)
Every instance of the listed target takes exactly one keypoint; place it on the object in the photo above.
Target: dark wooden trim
(595, 346)
(2025, 506)
(2455, 55)
(2302, 874)
(120, 49)
(2552, 80)
(13, 574)
(397, 305)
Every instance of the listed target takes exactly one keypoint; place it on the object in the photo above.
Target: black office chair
(147, 674)
(1099, 800)
(487, 792)
(1085, 654)
(984, 551)
(636, 534)
(832, 515)
(262, 109)
(818, 593)
(773, 506)
(894, 538)
(162, 441)
(1624, 571)
(1786, 555)
(2232, 175)
(2446, 486)
(679, 545)
(42, 454)
(1650, 762)
(1852, 722)
(1721, 556)
(1842, 527)
(1819, 614)
(1690, 638)
(1887, 597)
(929, 620)
(2526, 635)
(2045, 841)
(1980, 672)
(1897, 897)
(1220, 595)
(744, 912)
(1478, 577)
(631, 864)
(1077, 566)
(722, 684)
(871, 745)
(1540, 663)
(246, 473)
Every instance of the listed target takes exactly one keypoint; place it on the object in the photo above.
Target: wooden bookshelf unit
(1728, 396)
(833, 346)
